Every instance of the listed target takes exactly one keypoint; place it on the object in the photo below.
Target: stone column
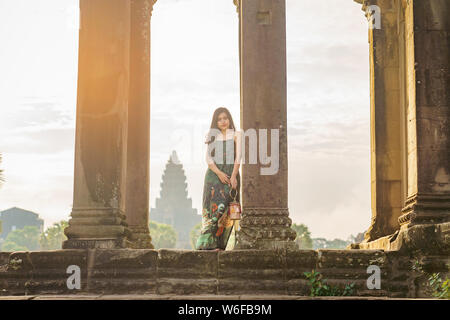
(97, 219)
(426, 214)
(265, 221)
(138, 166)
(386, 118)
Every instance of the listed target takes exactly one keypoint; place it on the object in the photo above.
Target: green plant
(54, 236)
(15, 263)
(195, 233)
(437, 287)
(303, 238)
(26, 239)
(441, 288)
(320, 288)
(163, 235)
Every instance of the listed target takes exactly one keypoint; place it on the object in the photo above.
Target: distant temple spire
(174, 158)
(173, 207)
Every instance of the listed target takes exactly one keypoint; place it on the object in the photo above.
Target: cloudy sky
(195, 69)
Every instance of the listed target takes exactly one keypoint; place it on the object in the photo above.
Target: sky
(195, 69)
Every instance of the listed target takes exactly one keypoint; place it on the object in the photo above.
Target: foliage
(54, 236)
(437, 287)
(163, 235)
(195, 233)
(26, 239)
(15, 263)
(441, 288)
(319, 243)
(303, 239)
(322, 243)
(10, 246)
(320, 288)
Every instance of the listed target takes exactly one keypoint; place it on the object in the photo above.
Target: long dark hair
(209, 137)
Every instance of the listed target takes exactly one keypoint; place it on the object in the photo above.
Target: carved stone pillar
(428, 114)
(424, 63)
(97, 219)
(265, 221)
(386, 118)
(138, 166)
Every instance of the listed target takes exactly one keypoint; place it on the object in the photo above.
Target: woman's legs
(207, 239)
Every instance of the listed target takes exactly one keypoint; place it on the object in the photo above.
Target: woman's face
(223, 122)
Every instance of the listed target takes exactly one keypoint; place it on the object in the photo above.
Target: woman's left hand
(233, 181)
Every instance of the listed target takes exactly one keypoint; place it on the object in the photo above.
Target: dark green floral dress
(216, 227)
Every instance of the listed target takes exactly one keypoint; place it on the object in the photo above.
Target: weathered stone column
(386, 118)
(97, 219)
(138, 167)
(426, 216)
(265, 222)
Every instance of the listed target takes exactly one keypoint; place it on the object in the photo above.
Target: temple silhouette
(173, 207)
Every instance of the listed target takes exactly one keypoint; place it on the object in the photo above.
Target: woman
(221, 177)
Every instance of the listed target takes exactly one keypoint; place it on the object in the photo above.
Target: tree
(26, 239)
(54, 236)
(195, 233)
(303, 239)
(320, 243)
(337, 244)
(163, 235)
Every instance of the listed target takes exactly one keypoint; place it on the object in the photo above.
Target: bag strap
(234, 198)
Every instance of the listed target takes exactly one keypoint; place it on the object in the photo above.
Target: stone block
(4, 258)
(300, 261)
(15, 274)
(122, 270)
(432, 15)
(298, 287)
(432, 87)
(350, 259)
(188, 264)
(44, 272)
(187, 272)
(187, 286)
(252, 271)
(435, 44)
(49, 270)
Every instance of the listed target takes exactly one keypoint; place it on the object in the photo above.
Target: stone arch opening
(410, 173)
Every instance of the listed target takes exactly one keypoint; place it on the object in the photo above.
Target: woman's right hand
(223, 177)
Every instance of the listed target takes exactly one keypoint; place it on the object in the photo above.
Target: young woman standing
(223, 156)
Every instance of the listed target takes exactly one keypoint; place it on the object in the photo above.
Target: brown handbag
(234, 208)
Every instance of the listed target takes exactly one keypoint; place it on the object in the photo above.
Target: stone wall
(187, 272)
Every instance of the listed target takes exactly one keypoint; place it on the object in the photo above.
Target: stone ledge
(189, 272)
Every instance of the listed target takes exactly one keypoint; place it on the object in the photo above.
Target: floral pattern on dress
(216, 225)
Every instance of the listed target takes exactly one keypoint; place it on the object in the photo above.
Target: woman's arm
(212, 165)
(210, 162)
(237, 161)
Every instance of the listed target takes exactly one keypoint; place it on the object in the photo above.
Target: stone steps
(189, 272)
